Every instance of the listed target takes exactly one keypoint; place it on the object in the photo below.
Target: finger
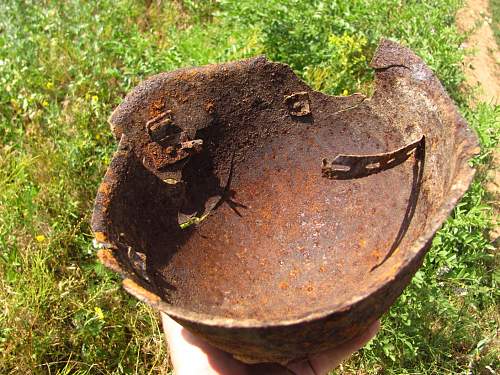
(180, 350)
(323, 362)
(192, 355)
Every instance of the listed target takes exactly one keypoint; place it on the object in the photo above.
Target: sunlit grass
(64, 65)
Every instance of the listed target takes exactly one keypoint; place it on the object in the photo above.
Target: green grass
(64, 65)
(495, 18)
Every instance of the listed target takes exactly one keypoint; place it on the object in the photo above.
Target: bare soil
(482, 68)
(482, 71)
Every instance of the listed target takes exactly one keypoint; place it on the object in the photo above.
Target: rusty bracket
(298, 104)
(162, 127)
(137, 261)
(345, 167)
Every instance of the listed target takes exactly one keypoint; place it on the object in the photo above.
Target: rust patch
(133, 288)
(107, 257)
(161, 127)
(356, 166)
(286, 257)
(104, 188)
(298, 104)
(162, 156)
(210, 107)
(101, 237)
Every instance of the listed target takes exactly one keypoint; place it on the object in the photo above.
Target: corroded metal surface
(221, 206)
(345, 167)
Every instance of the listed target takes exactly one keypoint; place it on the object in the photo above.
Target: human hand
(192, 355)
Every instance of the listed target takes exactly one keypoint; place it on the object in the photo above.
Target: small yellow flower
(98, 136)
(95, 98)
(345, 92)
(49, 85)
(40, 238)
(99, 313)
(45, 103)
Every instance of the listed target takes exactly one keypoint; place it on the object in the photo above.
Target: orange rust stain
(362, 243)
(111, 175)
(210, 106)
(283, 285)
(104, 188)
(157, 107)
(138, 291)
(107, 258)
(101, 237)
(104, 197)
(294, 272)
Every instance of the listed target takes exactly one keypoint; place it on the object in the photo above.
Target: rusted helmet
(272, 220)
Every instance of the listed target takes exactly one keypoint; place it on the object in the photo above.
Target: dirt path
(482, 70)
